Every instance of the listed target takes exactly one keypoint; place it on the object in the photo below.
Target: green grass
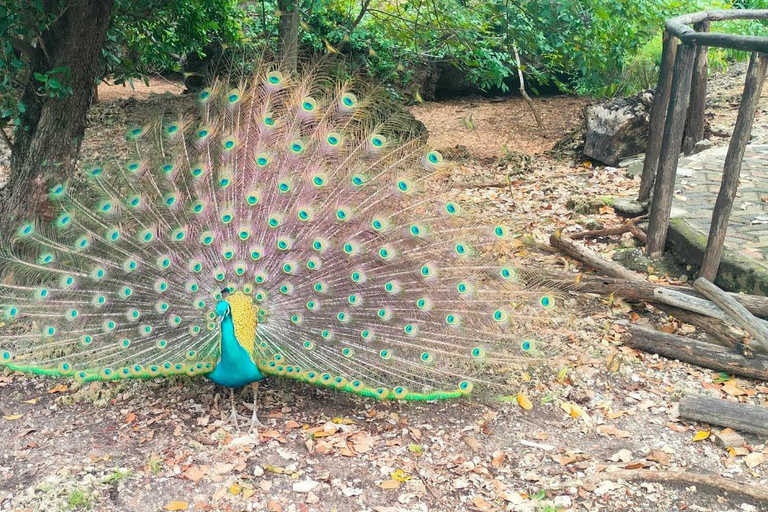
(78, 500)
(118, 475)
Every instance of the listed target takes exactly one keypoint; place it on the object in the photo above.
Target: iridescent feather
(308, 205)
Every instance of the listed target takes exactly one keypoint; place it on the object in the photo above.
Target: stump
(618, 128)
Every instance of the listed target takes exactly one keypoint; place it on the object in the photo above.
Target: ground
(149, 446)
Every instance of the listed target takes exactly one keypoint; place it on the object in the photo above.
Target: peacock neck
(229, 344)
(236, 367)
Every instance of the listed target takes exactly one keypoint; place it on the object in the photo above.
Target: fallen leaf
(473, 443)
(613, 430)
(61, 388)
(524, 402)
(701, 435)
(481, 503)
(194, 473)
(732, 389)
(754, 459)
(622, 455)
(13, 417)
(177, 505)
(389, 484)
(400, 475)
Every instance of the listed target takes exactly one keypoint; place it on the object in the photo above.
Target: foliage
(144, 36)
(583, 46)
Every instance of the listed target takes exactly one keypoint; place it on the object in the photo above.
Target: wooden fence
(677, 121)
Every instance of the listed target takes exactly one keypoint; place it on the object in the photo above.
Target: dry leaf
(701, 435)
(194, 473)
(473, 443)
(754, 459)
(177, 505)
(389, 484)
(13, 417)
(732, 389)
(524, 402)
(61, 388)
(400, 475)
(481, 503)
(622, 455)
(613, 430)
(130, 418)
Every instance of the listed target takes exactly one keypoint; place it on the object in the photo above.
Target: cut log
(748, 418)
(618, 128)
(758, 329)
(696, 352)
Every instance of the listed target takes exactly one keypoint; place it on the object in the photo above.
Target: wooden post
(694, 130)
(658, 115)
(664, 187)
(732, 166)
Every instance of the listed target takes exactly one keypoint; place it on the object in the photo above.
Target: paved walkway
(698, 182)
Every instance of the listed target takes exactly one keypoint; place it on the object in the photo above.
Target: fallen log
(696, 352)
(749, 418)
(591, 258)
(741, 316)
(704, 480)
(672, 300)
(642, 289)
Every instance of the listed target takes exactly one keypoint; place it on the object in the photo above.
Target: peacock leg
(254, 418)
(234, 415)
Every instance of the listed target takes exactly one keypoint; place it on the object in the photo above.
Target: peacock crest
(328, 228)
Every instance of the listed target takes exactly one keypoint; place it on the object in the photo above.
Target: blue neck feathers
(236, 368)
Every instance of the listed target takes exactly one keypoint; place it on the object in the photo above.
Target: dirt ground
(164, 445)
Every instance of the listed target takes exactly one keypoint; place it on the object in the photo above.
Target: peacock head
(223, 310)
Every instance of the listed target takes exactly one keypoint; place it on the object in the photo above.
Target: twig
(679, 477)
(527, 98)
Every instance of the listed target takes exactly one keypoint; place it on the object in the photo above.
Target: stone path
(697, 185)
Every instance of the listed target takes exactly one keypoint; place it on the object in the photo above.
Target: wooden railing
(677, 121)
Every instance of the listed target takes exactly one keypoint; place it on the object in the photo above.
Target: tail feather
(308, 196)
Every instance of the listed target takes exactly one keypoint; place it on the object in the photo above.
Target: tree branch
(527, 98)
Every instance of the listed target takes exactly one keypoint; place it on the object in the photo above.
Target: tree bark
(52, 129)
(288, 34)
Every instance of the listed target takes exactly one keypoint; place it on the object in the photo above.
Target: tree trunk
(51, 131)
(288, 34)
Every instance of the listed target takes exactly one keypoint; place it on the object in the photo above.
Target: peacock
(294, 227)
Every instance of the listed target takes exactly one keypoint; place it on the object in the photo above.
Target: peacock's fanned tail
(307, 198)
